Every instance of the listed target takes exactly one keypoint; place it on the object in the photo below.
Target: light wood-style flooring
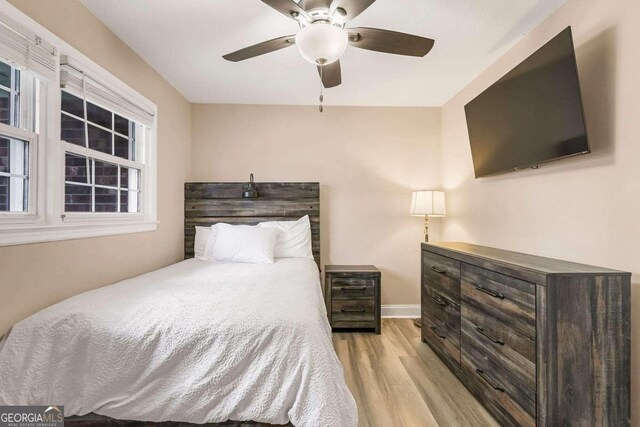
(397, 380)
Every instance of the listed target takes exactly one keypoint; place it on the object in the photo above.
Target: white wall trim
(41, 234)
(401, 310)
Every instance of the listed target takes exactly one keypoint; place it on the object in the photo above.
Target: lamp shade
(428, 203)
(321, 43)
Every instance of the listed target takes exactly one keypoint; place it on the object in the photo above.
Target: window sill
(40, 234)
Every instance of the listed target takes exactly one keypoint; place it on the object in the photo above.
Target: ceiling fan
(323, 38)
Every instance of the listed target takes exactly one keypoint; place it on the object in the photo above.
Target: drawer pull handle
(353, 288)
(488, 292)
(435, 331)
(438, 301)
(353, 310)
(437, 270)
(484, 377)
(489, 337)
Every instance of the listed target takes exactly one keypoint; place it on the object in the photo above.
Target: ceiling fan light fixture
(321, 43)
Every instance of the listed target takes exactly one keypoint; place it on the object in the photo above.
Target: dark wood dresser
(353, 300)
(538, 341)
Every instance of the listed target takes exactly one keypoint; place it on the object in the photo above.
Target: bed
(195, 342)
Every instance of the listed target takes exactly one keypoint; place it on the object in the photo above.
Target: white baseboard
(401, 310)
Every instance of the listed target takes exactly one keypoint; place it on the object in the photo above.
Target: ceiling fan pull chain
(321, 108)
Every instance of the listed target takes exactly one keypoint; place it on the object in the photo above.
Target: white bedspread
(194, 342)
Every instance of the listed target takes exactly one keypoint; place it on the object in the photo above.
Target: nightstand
(353, 296)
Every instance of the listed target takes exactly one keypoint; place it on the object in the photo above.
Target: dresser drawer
(441, 304)
(353, 288)
(510, 401)
(441, 271)
(508, 299)
(515, 351)
(443, 338)
(363, 310)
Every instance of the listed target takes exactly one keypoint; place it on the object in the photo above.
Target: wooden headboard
(208, 203)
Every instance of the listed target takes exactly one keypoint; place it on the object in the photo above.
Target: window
(16, 140)
(109, 183)
(77, 146)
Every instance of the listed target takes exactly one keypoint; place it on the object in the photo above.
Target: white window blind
(76, 80)
(25, 49)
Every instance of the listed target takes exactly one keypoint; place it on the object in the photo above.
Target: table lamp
(427, 203)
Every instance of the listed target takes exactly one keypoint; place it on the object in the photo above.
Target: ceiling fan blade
(288, 8)
(260, 49)
(315, 4)
(352, 8)
(331, 74)
(389, 41)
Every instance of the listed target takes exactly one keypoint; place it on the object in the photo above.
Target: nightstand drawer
(353, 288)
(353, 310)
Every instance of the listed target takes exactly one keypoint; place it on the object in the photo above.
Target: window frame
(46, 219)
(30, 109)
(140, 153)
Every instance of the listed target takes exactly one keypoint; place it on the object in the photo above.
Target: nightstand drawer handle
(438, 301)
(488, 292)
(435, 331)
(484, 377)
(353, 288)
(437, 270)
(353, 310)
(489, 337)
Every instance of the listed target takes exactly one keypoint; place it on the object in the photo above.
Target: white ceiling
(184, 40)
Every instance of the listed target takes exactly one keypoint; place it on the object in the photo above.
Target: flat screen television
(531, 115)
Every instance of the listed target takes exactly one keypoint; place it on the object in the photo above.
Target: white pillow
(200, 241)
(211, 238)
(294, 239)
(244, 243)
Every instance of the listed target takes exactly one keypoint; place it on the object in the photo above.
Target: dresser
(353, 297)
(538, 341)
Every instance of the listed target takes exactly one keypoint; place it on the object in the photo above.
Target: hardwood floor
(397, 380)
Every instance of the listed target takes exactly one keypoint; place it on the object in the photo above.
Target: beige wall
(367, 159)
(35, 276)
(585, 209)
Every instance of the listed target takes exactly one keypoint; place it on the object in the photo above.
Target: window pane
(5, 74)
(99, 139)
(129, 178)
(99, 116)
(124, 201)
(4, 194)
(5, 107)
(72, 104)
(124, 177)
(13, 194)
(18, 192)
(129, 201)
(106, 174)
(121, 147)
(77, 169)
(121, 125)
(106, 200)
(4, 154)
(77, 198)
(72, 130)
